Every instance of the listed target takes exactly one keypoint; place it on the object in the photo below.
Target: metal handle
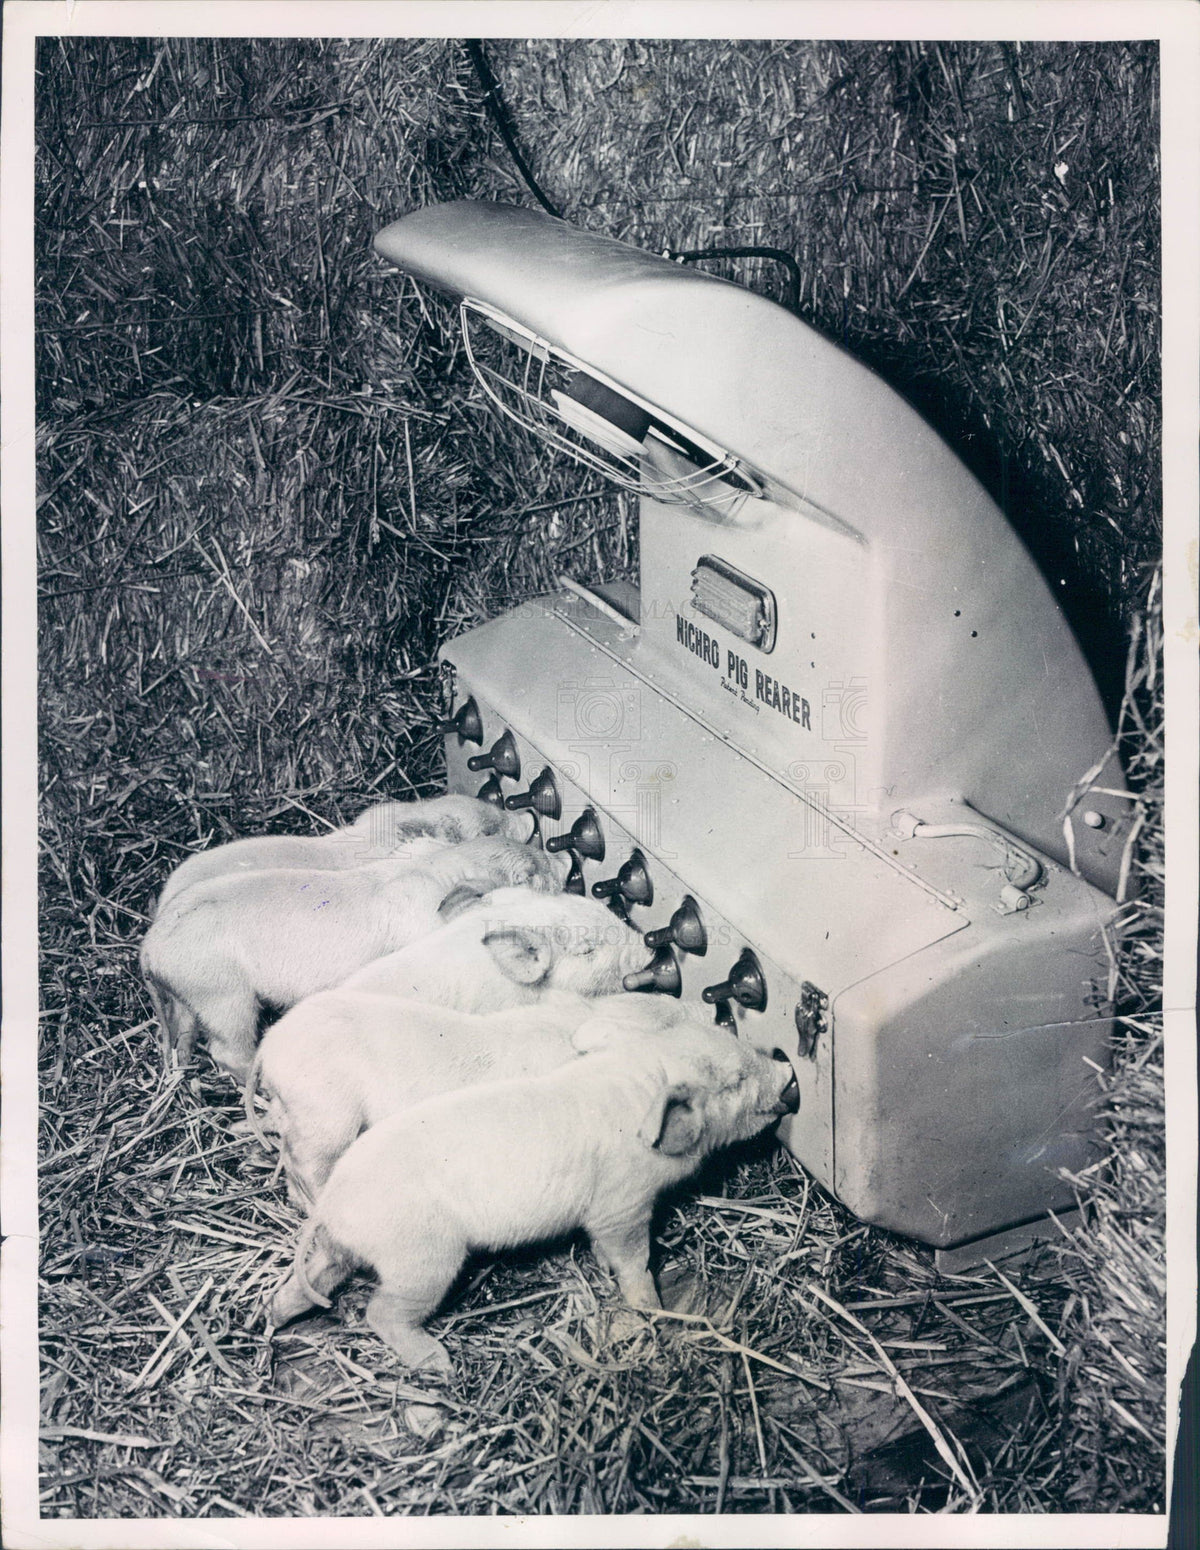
(583, 838)
(501, 757)
(491, 791)
(725, 1017)
(574, 882)
(542, 796)
(685, 930)
(745, 985)
(466, 721)
(661, 974)
(632, 883)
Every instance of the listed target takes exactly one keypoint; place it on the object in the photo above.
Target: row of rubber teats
(632, 884)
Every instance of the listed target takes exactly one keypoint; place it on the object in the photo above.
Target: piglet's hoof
(288, 1303)
(413, 1345)
(623, 1324)
(425, 1355)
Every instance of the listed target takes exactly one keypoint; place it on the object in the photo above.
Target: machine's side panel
(966, 1078)
(893, 675)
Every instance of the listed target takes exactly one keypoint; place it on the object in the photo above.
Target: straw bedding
(267, 495)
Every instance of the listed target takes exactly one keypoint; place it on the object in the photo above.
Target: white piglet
(507, 949)
(222, 951)
(342, 1061)
(412, 830)
(589, 1145)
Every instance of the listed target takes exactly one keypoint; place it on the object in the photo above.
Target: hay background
(265, 497)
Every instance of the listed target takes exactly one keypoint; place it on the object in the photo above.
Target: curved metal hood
(738, 368)
(980, 692)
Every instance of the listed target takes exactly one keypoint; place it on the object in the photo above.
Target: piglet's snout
(789, 1098)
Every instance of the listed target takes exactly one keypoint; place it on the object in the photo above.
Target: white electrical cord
(1020, 868)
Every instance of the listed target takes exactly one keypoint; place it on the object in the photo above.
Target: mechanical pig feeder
(837, 735)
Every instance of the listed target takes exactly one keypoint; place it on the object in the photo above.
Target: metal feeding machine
(839, 756)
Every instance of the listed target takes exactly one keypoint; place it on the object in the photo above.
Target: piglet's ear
(674, 1123)
(522, 956)
(460, 899)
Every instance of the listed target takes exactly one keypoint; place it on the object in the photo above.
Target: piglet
(223, 950)
(411, 830)
(507, 949)
(342, 1061)
(589, 1145)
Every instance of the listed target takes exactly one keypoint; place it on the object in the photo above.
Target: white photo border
(1176, 25)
